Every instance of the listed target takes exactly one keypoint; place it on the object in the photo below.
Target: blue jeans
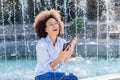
(56, 76)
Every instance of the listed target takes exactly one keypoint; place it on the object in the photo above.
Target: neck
(53, 39)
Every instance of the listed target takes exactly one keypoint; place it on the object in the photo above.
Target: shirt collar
(47, 38)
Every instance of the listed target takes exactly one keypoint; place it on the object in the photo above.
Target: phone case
(65, 45)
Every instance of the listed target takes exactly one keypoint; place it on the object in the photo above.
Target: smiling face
(52, 27)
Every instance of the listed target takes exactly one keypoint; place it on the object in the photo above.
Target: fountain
(98, 48)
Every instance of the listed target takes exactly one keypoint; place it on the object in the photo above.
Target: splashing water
(18, 39)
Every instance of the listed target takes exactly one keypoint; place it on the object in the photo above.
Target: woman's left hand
(71, 49)
(74, 41)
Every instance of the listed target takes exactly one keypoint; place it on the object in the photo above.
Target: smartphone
(65, 45)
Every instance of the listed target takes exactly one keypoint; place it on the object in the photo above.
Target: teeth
(55, 30)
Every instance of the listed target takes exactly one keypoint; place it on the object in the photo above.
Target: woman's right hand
(62, 53)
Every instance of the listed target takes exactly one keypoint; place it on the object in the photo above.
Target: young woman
(50, 53)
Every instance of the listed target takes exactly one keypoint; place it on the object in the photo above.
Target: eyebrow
(53, 22)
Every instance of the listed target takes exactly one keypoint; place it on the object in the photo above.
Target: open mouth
(55, 30)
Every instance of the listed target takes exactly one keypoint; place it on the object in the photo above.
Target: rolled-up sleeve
(43, 59)
(62, 62)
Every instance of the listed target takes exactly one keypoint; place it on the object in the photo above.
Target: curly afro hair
(40, 22)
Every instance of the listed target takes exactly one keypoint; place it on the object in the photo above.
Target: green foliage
(78, 23)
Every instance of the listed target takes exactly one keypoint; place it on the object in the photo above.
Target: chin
(56, 33)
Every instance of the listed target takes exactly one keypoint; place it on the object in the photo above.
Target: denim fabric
(56, 76)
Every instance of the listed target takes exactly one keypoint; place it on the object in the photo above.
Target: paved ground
(105, 77)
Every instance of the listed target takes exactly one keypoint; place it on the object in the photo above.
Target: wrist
(72, 45)
(60, 56)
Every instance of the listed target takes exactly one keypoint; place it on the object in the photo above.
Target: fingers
(67, 48)
(75, 38)
(74, 41)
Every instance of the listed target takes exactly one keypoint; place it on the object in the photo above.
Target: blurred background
(95, 22)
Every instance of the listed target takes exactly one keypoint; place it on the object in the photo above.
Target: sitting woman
(50, 53)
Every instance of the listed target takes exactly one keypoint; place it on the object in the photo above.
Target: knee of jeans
(73, 77)
(38, 78)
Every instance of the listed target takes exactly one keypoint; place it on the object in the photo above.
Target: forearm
(69, 54)
(57, 60)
